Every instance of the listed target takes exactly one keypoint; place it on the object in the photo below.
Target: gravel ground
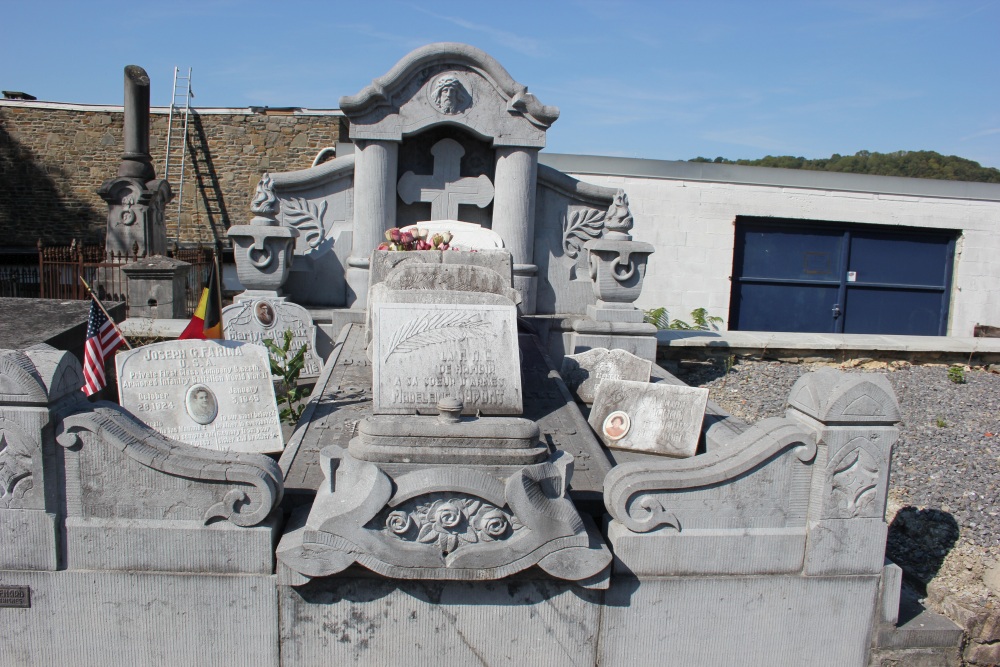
(944, 496)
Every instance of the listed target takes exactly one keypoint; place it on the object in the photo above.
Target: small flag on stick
(103, 338)
(207, 320)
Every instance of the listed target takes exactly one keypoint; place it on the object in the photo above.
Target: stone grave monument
(207, 393)
(444, 499)
(263, 252)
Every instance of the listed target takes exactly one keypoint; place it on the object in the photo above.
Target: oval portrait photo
(616, 425)
(264, 313)
(201, 404)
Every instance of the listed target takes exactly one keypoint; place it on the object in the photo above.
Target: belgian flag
(207, 320)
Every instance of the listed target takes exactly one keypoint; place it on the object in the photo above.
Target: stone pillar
(33, 383)
(156, 287)
(854, 419)
(514, 215)
(136, 162)
(375, 166)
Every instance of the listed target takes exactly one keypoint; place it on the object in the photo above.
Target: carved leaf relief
(437, 328)
(580, 227)
(15, 468)
(855, 483)
(307, 217)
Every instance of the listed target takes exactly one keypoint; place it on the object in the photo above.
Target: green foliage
(941, 423)
(700, 320)
(911, 164)
(956, 374)
(288, 367)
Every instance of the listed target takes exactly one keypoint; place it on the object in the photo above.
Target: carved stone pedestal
(450, 522)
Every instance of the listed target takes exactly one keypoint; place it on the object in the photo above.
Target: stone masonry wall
(53, 158)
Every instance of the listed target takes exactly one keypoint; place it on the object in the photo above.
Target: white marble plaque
(212, 394)
(653, 418)
(252, 320)
(424, 352)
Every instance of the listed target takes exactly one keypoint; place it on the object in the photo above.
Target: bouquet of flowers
(415, 239)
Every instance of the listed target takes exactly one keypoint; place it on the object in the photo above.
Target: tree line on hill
(912, 164)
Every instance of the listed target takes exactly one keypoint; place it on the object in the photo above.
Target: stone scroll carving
(441, 523)
(641, 495)
(240, 488)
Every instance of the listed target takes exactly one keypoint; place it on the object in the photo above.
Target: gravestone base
(99, 618)
(639, 339)
(358, 619)
(442, 522)
(28, 540)
(170, 546)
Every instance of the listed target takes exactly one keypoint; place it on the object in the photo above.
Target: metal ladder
(180, 99)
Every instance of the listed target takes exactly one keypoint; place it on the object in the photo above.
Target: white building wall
(691, 223)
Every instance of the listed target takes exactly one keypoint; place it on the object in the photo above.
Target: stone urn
(617, 263)
(263, 249)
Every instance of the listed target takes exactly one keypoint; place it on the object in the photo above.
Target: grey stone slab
(654, 418)
(28, 540)
(707, 551)
(583, 372)
(846, 546)
(342, 397)
(426, 352)
(58, 322)
(643, 346)
(253, 320)
(95, 619)
(754, 621)
(360, 621)
(212, 394)
(170, 546)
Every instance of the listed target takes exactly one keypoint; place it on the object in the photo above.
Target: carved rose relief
(450, 521)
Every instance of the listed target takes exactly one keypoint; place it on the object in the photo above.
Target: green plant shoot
(288, 367)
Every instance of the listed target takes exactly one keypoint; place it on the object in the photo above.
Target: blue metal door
(809, 276)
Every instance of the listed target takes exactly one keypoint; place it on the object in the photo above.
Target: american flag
(102, 339)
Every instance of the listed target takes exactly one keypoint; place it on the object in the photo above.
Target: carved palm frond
(307, 217)
(437, 328)
(580, 227)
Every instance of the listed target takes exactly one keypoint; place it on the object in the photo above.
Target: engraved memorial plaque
(15, 596)
(208, 393)
(424, 352)
(653, 418)
(253, 320)
(583, 372)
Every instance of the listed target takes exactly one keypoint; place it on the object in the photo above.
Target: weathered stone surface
(254, 319)
(583, 372)
(446, 189)
(654, 418)
(451, 278)
(212, 394)
(424, 352)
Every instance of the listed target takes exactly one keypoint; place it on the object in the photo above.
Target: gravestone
(434, 348)
(583, 372)
(212, 394)
(255, 319)
(653, 418)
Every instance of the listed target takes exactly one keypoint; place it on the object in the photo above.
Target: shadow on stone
(919, 540)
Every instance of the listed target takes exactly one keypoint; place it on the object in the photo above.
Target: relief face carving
(448, 95)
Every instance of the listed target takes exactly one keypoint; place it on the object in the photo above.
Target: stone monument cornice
(381, 90)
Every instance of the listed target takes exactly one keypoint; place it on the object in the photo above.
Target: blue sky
(664, 80)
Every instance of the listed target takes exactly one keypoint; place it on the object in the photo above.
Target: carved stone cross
(445, 189)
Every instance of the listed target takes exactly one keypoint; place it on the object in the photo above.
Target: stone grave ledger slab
(652, 418)
(212, 394)
(253, 320)
(583, 372)
(430, 351)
